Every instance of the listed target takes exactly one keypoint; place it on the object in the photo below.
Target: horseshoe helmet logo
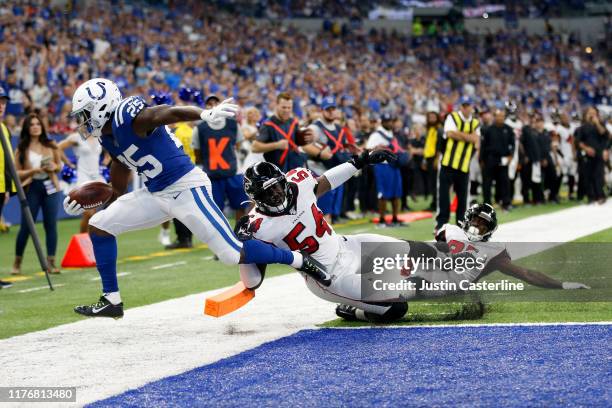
(100, 97)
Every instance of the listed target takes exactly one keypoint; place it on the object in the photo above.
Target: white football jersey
(458, 242)
(302, 228)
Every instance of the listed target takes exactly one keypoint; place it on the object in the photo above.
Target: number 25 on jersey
(137, 165)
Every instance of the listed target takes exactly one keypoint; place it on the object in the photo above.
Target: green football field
(148, 274)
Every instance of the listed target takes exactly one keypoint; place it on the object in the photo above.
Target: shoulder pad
(303, 178)
(127, 110)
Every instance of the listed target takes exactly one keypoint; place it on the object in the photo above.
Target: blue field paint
(447, 366)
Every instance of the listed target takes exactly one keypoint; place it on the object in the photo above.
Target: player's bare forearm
(155, 116)
(119, 178)
(530, 276)
(323, 186)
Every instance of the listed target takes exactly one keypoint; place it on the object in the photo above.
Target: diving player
(471, 239)
(286, 214)
(138, 138)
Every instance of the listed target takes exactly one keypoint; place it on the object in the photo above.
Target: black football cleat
(5, 284)
(103, 308)
(315, 269)
(347, 312)
(180, 245)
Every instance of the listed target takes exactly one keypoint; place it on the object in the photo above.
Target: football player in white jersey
(471, 239)
(286, 215)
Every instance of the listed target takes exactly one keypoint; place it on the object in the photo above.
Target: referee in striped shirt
(461, 140)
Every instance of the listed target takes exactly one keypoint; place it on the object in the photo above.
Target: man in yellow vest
(461, 140)
(7, 186)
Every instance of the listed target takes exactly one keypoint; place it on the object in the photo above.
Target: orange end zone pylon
(228, 301)
(79, 253)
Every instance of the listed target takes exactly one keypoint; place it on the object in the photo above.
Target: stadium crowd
(543, 87)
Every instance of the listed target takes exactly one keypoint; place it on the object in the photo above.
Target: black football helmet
(511, 109)
(480, 222)
(267, 186)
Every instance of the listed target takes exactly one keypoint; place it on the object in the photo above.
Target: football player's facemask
(480, 222)
(267, 186)
(85, 126)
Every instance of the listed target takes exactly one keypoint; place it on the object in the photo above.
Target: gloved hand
(372, 157)
(223, 110)
(574, 285)
(242, 229)
(72, 207)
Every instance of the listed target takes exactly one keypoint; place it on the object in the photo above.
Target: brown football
(92, 195)
(300, 136)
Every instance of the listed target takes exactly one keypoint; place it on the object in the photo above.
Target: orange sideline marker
(228, 301)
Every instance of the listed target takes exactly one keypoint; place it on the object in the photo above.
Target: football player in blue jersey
(138, 138)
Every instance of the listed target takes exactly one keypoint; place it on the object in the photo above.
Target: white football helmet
(93, 103)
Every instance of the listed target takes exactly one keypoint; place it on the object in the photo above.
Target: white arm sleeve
(340, 174)
(250, 275)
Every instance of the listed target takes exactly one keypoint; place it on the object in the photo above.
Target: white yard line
(97, 278)
(104, 357)
(40, 288)
(170, 265)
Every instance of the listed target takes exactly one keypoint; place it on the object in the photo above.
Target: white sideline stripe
(40, 288)
(476, 325)
(106, 357)
(170, 265)
(559, 226)
(97, 278)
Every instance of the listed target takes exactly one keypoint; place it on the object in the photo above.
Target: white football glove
(72, 207)
(223, 110)
(574, 285)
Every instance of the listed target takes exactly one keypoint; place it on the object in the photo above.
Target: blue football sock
(258, 252)
(105, 251)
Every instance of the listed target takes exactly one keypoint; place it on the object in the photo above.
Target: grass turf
(149, 274)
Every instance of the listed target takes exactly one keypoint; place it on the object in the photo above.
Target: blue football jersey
(159, 157)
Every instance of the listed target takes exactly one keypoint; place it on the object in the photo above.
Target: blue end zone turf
(447, 366)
